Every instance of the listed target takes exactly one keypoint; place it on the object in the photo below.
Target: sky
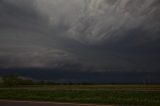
(115, 39)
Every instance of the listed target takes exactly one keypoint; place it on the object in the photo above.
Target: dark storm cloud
(16, 10)
(17, 7)
(85, 35)
(103, 20)
(23, 35)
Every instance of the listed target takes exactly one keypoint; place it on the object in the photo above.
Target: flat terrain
(147, 95)
(30, 103)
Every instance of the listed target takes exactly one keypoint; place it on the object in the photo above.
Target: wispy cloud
(86, 35)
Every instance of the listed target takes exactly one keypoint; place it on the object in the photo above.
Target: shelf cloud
(80, 35)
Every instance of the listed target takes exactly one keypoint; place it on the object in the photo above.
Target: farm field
(145, 95)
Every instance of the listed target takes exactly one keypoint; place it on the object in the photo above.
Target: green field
(147, 95)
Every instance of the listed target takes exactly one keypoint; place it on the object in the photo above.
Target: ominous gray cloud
(84, 35)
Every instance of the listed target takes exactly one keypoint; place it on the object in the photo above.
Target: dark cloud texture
(80, 35)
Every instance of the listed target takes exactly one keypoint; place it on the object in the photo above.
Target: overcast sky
(80, 35)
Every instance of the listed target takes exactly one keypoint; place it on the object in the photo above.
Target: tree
(13, 80)
(10, 80)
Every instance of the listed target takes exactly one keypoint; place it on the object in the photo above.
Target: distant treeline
(14, 80)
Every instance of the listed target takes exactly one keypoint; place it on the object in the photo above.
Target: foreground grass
(148, 95)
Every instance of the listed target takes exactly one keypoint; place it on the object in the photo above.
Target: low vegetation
(15, 88)
(147, 95)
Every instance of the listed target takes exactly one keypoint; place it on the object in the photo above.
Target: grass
(147, 95)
